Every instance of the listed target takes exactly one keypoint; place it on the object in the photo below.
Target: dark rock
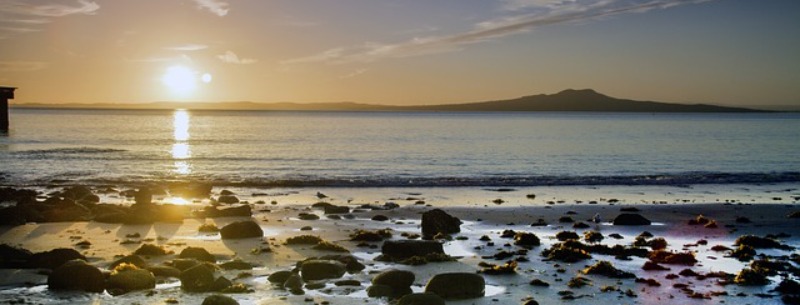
(218, 299)
(539, 283)
(236, 264)
(294, 283)
(313, 270)
(335, 209)
(143, 196)
(631, 219)
(199, 278)
(303, 240)
(605, 268)
(220, 284)
(237, 211)
(76, 275)
(134, 259)
(566, 219)
(421, 299)
(437, 221)
(307, 216)
(651, 266)
(403, 249)
(380, 218)
(371, 236)
(151, 250)
(347, 283)
(53, 258)
(759, 242)
(397, 279)
(228, 199)
(527, 240)
(672, 258)
(183, 263)
(11, 257)
(380, 291)
(241, 229)
(198, 254)
(751, 277)
(457, 285)
(279, 277)
(121, 282)
(788, 286)
(351, 263)
(567, 235)
(164, 271)
(593, 236)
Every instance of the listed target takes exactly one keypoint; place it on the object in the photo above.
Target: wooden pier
(6, 93)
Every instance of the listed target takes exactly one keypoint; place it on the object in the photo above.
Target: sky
(400, 52)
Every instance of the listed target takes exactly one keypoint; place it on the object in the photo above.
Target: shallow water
(398, 149)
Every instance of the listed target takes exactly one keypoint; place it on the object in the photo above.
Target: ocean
(396, 149)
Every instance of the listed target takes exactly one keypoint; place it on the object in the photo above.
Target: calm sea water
(397, 149)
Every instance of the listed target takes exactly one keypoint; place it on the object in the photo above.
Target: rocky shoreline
(67, 245)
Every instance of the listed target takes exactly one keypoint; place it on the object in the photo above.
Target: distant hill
(586, 100)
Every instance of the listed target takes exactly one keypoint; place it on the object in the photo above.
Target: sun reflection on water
(181, 149)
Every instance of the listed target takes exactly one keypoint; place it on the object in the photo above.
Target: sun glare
(180, 80)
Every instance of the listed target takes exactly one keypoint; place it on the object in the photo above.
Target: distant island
(570, 100)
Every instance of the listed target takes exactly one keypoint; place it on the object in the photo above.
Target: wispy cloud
(21, 66)
(217, 7)
(49, 10)
(28, 21)
(19, 29)
(541, 13)
(355, 73)
(232, 58)
(188, 47)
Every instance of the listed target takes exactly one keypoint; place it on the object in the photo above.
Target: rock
(335, 209)
(11, 257)
(228, 199)
(220, 284)
(151, 250)
(313, 270)
(526, 240)
(241, 229)
(457, 285)
(76, 275)
(134, 259)
(125, 281)
(539, 283)
(218, 299)
(396, 279)
(380, 218)
(183, 263)
(403, 249)
(671, 258)
(53, 258)
(198, 254)
(605, 268)
(279, 277)
(421, 299)
(759, 242)
(751, 277)
(164, 271)
(199, 278)
(567, 235)
(294, 283)
(307, 216)
(351, 263)
(631, 219)
(380, 291)
(238, 211)
(143, 196)
(437, 221)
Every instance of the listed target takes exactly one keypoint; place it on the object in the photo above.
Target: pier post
(6, 93)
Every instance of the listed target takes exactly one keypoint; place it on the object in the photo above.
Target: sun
(182, 81)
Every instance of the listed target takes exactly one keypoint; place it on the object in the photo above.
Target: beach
(736, 210)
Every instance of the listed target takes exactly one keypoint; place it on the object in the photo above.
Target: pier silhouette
(6, 93)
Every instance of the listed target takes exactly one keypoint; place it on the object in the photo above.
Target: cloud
(232, 58)
(19, 29)
(49, 10)
(22, 66)
(188, 47)
(353, 73)
(542, 13)
(216, 7)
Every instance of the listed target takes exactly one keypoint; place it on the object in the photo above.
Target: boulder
(380, 291)
(421, 299)
(313, 270)
(165, 271)
(236, 264)
(228, 199)
(151, 250)
(198, 254)
(631, 219)
(134, 259)
(241, 229)
(394, 278)
(526, 240)
(77, 275)
(219, 300)
(457, 285)
(199, 278)
(437, 221)
(279, 277)
(54, 258)
(12, 257)
(403, 249)
(294, 283)
(121, 282)
(335, 209)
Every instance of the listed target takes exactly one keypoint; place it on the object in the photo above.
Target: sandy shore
(483, 211)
